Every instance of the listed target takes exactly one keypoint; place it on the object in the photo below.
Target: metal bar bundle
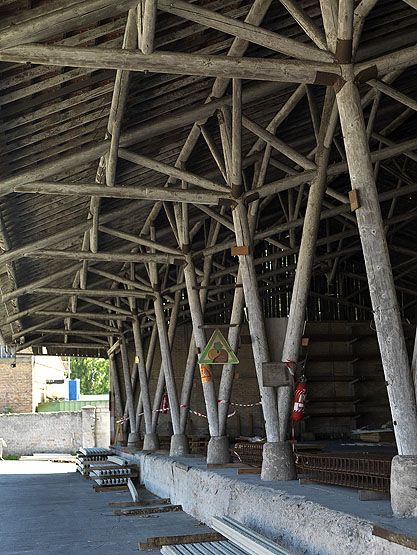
(250, 453)
(208, 548)
(248, 540)
(354, 470)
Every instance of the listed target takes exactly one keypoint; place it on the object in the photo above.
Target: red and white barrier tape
(222, 401)
(196, 413)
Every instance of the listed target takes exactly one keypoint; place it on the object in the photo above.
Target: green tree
(93, 374)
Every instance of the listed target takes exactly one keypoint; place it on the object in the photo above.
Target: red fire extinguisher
(165, 403)
(300, 395)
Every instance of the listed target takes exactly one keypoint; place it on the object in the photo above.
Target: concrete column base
(278, 462)
(218, 450)
(150, 442)
(179, 445)
(403, 485)
(133, 439)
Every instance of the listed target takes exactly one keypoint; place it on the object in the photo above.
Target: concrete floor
(50, 509)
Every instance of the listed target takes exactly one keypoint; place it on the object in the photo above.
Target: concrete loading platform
(310, 518)
(48, 508)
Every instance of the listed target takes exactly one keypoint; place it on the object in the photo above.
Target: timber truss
(170, 161)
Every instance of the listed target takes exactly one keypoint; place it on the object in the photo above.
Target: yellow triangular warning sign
(218, 351)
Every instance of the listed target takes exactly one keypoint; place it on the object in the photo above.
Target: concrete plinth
(403, 485)
(133, 439)
(150, 442)
(278, 462)
(88, 426)
(179, 445)
(218, 450)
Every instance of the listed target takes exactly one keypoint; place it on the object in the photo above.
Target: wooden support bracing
(244, 31)
(112, 278)
(306, 256)
(256, 322)
(184, 64)
(148, 366)
(143, 378)
(250, 288)
(165, 348)
(172, 326)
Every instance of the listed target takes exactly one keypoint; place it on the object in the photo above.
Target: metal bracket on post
(242, 250)
(354, 199)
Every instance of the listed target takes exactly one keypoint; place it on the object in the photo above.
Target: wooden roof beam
(120, 279)
(245, 31)
(66, 19)
(171, 194)
(394, 61)
(109, 256)
(80, 333)
(31, 310)
(143, 132)
(171, 171)
(83, 315)
(77, 229)
(393, 93)
(178, 63)
(277, 144)
(139, 240)
(35, 327)
(75, 346)
(39, 282)
(91, 293)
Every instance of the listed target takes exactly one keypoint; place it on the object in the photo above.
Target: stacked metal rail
(246, 539)
(108, 471)
(113, 476)
(87, 456)
(240, 540)
(208, 548)
(355, 470)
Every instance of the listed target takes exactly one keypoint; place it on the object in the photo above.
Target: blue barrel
(74, 390)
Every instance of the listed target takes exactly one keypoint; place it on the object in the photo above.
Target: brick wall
(16, 385)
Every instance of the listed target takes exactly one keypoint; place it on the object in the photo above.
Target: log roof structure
(161, 161)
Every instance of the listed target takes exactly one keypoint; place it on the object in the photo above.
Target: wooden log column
(228, 371)
(150, 441)
(277, 461)
(172, 326)
(115, 387)
(200, 342)
(169, 377)
(378, 267)
(133, 436)
(305, 261)
(148, 365)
